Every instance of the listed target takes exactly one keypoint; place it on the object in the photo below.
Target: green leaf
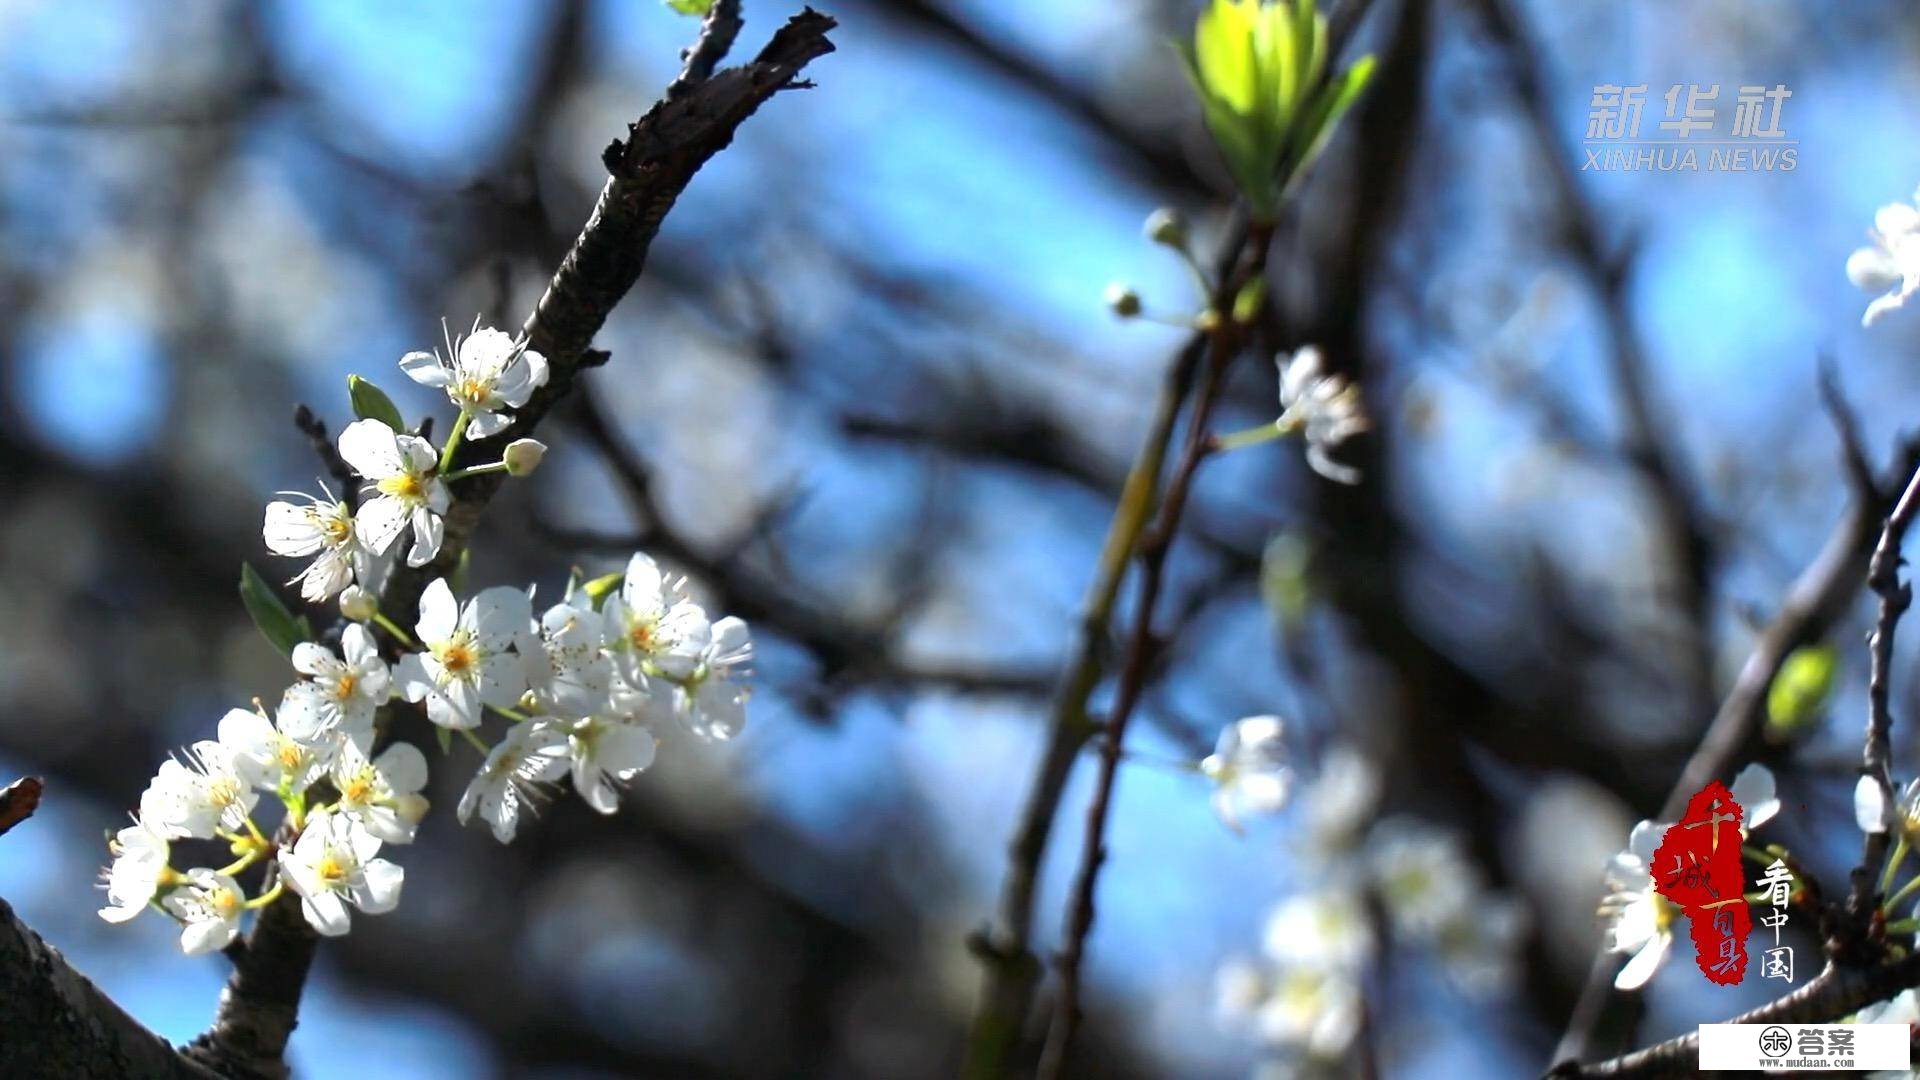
(279, 625)
(601, 587)
(372, 403)
(1799, 692)
(690, 7)
(1317, 126)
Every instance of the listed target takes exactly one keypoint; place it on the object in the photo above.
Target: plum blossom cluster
(1397, 881)
(1638, 920)
(341, 804)
(583, 689)
(405, 492)
(586, 688)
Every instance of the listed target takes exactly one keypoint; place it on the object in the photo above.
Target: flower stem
(390, 627)
(498, 466)
(1893, 862)
(512, 714)
(252, 856)
(1903, 926)
(267, 897)
(453, 440)
(1252, 436)
(467, 734)
(1906, 890)
(254, 831)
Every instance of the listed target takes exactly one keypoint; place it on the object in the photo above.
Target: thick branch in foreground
(664, 149)
(53, 1022)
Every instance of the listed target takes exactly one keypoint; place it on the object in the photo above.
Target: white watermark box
(1836, 1047)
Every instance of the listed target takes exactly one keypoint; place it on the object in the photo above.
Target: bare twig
(315, 429)
(1224, 344)
(1883, 577)
(18, 801)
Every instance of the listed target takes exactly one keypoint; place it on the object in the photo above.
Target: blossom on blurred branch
(1891, 264)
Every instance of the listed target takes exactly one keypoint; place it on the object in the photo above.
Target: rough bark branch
(54, 1022)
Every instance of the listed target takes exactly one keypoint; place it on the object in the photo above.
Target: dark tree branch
(53, 1022)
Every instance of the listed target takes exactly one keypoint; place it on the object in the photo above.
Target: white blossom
(1424, 878)
(209, 905)
(530, 754)
(213, 789)
(1325, 408)
(1249, 769)
(566, 670)
(467, 662)
(1891, 264)
(1313, 1010)
(483, 373)
(654, 626)
(1870, 809)
(1324, 929)
(402, 468)
(140, 857)
(711, 700)
(342, 692)
(605, 753)
(332, 865)
(1338, 802)
(324, 529)
(382, 794)
(282, 761)
(1479, 950)
(1754, 790)
(1639, 920)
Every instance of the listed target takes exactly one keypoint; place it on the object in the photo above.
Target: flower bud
(358, 604)
(523, 456)
(1166, 226)
(1122, 300)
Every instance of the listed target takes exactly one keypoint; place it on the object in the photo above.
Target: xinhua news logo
(1828, 1047)
(1698, 134)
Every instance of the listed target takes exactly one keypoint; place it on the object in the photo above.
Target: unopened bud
(1166, 226)
(358, 604)
(1123, 301)
(523, 456)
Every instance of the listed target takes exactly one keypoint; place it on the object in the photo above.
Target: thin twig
(1883, 577)
(1223, 346)
(1005, 950)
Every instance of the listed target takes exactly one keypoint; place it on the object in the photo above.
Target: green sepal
(372, 403)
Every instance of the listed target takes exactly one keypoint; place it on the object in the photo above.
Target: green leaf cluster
(1260, 69)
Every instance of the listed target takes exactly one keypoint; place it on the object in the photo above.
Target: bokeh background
(882, 413)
